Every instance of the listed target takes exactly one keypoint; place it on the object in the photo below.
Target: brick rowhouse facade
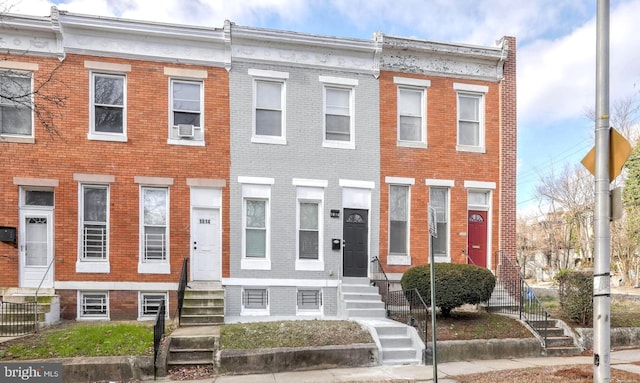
(438, 161)
(63, 161)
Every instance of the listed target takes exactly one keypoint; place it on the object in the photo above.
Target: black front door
(355, 234)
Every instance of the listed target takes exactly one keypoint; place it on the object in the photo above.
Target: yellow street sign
(619, 151)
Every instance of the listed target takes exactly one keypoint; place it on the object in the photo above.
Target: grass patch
(87, 339)
(243, 336)
(624, 312)
(468, 325)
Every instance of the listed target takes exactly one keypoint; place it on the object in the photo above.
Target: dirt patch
(558, 374)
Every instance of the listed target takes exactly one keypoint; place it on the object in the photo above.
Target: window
(256, 228)
(338, 123)
(308, 230)
(93, 305)
(108, 106)
(439, 200)
(255, 301)
(309, 301)
(16, 117)
(412, 121)
(256, 193)
(470, 117)
(398, 219)
(34, 197)
(149, 305)
(269, 106)
(186, 111)
(94, 212)
(155, 207)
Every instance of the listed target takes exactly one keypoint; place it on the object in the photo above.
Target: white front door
(205, 245)
(36, 248)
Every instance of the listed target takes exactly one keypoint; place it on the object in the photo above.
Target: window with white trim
(308, 229)
(338, 121)
(439, 200)
(309, 301)
(94, 217)
(154, 224)
(108, 106)
(16, 117)
(186, 125)
(269, 111)
(256, 225)
(149, 304)
(470, 116)
(411, 115)
(93, 305)
(255, 301)
(398, 219)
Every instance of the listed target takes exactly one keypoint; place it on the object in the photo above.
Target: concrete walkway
(621, 360)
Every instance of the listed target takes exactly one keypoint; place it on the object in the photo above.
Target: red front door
(477, 237)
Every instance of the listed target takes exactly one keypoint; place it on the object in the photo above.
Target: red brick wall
(439, 161)
(145, 154)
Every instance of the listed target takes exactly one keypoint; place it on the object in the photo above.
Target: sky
(556, 51)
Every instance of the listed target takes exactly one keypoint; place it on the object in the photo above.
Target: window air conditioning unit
(185, 131)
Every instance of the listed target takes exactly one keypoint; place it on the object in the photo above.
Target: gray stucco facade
(340, 175)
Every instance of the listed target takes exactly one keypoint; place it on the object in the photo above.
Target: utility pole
(602, 232)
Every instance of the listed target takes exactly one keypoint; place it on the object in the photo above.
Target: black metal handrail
(379, 279)
(515, 296)
(158, 334)
(17, 318)
(182, 286)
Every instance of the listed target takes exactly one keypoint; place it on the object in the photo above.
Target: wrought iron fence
(513, 295)
(18, 318)
(158, 334)
(182, 285)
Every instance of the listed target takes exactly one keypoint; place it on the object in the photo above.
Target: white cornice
(442, 59)
(28, 35)
(106, 36)
(299, 49)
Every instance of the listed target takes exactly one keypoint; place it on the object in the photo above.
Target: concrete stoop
(192, 346)
(360, 299)
(397, 345)
(203, 306)
(19, 321)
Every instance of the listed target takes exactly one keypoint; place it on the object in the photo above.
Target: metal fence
(514, 296)
(18, 318)
(182, 285)
(158, 334)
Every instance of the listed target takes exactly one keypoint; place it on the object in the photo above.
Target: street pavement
(447, 372)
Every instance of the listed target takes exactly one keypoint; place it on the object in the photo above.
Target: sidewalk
(419, 373)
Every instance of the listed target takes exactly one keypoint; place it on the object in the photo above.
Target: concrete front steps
(193, 346)
(558, 343)
(203, 304)
(361, 300)
(16, 319)
(397, 344)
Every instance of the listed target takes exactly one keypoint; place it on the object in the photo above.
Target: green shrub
(456, 284)
(575, 292)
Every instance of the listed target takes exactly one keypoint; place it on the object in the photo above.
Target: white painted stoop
(397, 343)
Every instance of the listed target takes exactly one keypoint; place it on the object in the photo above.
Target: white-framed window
(269, 106)
(93, 305)
(439, 200)
(108, 111)
(399, 197)
(16, 115)
(186, 112)
(470, 116)
(310, 223)
(309, 301)
(149, 304)
(154, 227)
(255, 301)
(339, 104)
(94, 223)
(412, 111)
(256, 223)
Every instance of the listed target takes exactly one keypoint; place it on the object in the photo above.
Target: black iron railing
(18, 318)
(513, 295)
(407, 306)
(158, 334)
(182, 286)
(380, 280)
